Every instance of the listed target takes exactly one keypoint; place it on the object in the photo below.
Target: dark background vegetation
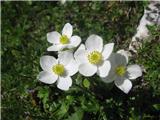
(23, 36)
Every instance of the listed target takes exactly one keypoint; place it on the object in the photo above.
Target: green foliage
(149, 56)
(86, 83)
(43, 94)
(76, 116)
(156, 106)
(24, 28)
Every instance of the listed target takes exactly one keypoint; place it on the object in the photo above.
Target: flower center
(120, 70)
(95, 57)
(64, 39)
(58, 69)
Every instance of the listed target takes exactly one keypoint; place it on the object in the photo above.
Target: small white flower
(66, 40)
(120, 73)
(58, 70)
(92, 57)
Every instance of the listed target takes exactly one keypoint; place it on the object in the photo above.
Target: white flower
(58, 70)
(92, 57)
(120, 73)
(66, 40)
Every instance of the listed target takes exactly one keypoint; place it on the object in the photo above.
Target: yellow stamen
(95, 57)
(64, 39)
(120, 70)
(58, 69)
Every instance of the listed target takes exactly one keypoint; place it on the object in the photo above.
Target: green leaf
(76, 116)
(43, 94)
(86, 83)
(156, 106)
(62, 110)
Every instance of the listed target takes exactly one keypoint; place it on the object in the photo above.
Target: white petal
(104, 69)
(124, 85)
(112, 75)
(134, 71)
(124, 53)
(81, 47)
(64, 83)
(47, 78)
(108, 48)
(75, 41)
(107, 80)
(121, 59)
(94, 42)
(67, 30)
(72, 68)
(87, 69)
(55, 48)
(47, 62)
(114, 63)
(80, 56)
(65, 57)
(53, 37)
(117, 59)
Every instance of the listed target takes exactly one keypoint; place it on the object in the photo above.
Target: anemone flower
(64, 40)
(59, 70)
(120, 73)
(92, 57)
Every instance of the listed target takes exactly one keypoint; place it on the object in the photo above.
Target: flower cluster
(89, 59)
